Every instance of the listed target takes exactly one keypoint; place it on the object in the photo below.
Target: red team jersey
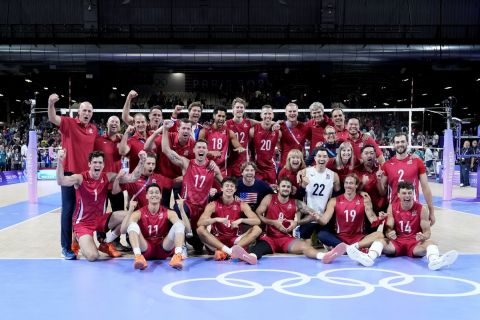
(91, 199)
(342, 135)
(317, 132)
(231, 211)
(408, 169)
(264, 142)
(407, 222)
(280, 211)
(139, 187)
(350, 218)
(293, 138)
(154, 225)
(379, 202)
(164, 166)
(78, 139)
(241, 131)
(197, 182)
(218, 140)
(358, 145)
(342, 172)
(136, 144)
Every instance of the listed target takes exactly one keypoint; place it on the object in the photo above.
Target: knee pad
(178, 227)
(133, 227)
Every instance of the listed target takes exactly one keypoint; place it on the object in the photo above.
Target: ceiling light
(364, 94)
(436, 104)
(17, 100)
(28, 80)
(424, 94)
(386, 104)
(114, 88)
(404, 80)
(465, 108)
(448, 88)
(399, 100)
(1, 95)
(123, 94)
(478, 79)
(45, 88)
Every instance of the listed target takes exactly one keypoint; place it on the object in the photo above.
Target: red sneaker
(240, 253)
(140, 262)
(336, 252)
(109, 249)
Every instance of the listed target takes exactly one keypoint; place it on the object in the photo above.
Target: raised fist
(53, 98)
(132, 94)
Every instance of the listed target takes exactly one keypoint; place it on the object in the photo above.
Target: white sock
(137, 251)
(375, 250)
(432, 252)
(178, 250)
(111, 235)
(320, 255)
(227, 250)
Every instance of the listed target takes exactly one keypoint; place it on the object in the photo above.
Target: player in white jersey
(319, 183)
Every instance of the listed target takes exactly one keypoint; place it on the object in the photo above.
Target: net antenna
(31, 163)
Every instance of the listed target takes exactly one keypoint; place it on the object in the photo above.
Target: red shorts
(269, 176)
(155, 251)
(279, 245)
(88, 228)
(229, 241)
(350, 238)
(404, 247)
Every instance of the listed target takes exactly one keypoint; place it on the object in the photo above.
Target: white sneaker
(443, 261)
(359, 256)
(240, 253)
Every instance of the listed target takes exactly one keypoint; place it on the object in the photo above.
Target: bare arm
(52, 113)
(206, 217)
(173, 217)
(252, 219)
(304, 211)
(123, 148)
(126, 117)
(428, 197)
(381, 182)
(424, 225)
(180, 161)
(367, 201)
(328, 214)
(116, 189)
(381, 159)
(235, 143)
(390, 225)
(128, 218)
(150, 143)
(62, 180)
(135, 175)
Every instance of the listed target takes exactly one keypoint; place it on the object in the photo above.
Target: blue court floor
(276, 288)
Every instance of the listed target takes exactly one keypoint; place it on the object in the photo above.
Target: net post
(31, 167)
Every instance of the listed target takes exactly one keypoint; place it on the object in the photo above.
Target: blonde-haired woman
(293, 164)
(344, 163)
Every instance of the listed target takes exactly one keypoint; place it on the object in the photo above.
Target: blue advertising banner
(11, 177)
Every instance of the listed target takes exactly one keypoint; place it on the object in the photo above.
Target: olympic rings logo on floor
(297, 279)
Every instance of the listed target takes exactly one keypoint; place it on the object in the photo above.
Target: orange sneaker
(220, 255)
(109, 249)
(140, 262)
(75, 246)
(176, 261)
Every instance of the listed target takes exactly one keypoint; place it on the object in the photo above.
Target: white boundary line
(29, 219)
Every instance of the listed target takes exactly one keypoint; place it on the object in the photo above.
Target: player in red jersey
(194, 114)
(182, 143)
(358, 140)
(155, 232)
(219, 136)
(294, 133)
(264, 142)
(240, 126)
(91, 193)
(108, 144)
(367, 172)
(155, 116)
(137, 188)
(198, 177)
(349, 211)
(408, 233)
(319, 120)
(281, 214)
(78, 137)
(404, 167)
(229, 219)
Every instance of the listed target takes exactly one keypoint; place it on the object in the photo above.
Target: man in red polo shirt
(108, 144)
(78, 138)
(131, 146)
(339, 121)
(357, 140)
(319, 120)
(294, 133)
